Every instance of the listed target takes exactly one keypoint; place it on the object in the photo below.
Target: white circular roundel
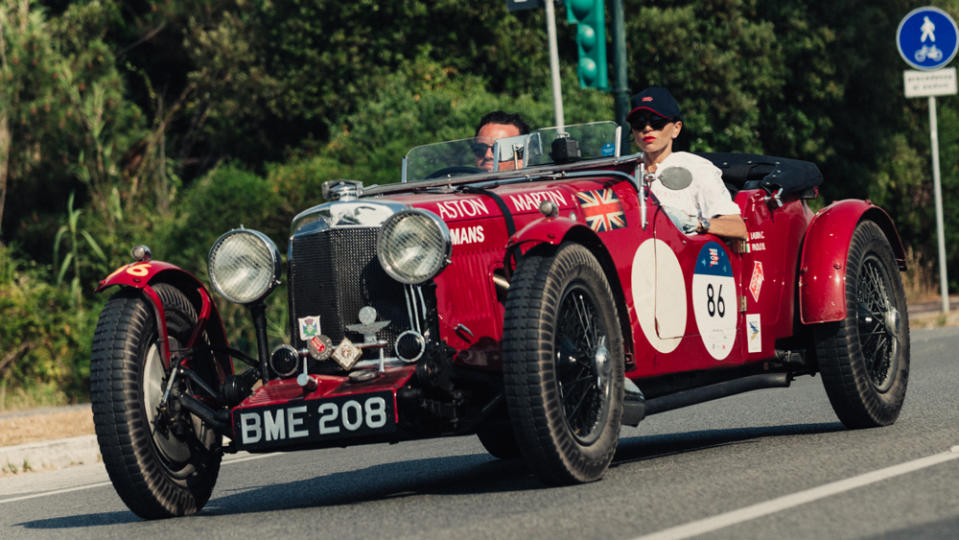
(659, 294)
(714, 300)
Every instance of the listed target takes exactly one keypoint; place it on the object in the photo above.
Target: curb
(55, 454)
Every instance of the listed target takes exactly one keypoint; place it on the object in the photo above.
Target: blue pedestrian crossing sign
(927, 38)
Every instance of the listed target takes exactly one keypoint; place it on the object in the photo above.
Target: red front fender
(545, 230)
(143, 275)
(822, 269)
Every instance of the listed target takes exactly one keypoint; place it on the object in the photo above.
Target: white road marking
(250, 457)
(55, 492)
(778, 504)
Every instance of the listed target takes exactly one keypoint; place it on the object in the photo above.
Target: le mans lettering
(468, 235)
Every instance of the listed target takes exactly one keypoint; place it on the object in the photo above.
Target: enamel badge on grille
(309, 327)
(346, 354)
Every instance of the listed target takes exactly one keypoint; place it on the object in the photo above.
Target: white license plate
(305, 422)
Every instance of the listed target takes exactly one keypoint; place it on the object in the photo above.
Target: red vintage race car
(540, 306)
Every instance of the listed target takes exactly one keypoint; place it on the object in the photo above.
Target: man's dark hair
(500, 117)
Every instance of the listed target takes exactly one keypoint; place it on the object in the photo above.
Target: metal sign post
(927, 39)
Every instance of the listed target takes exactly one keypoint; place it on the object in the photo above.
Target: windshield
(541, 147)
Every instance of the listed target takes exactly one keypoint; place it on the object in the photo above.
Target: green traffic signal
(580, 9)
(590, 41)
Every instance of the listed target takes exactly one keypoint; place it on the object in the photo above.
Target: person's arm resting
(727, 226)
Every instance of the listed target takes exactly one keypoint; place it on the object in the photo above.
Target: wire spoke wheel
(877, 321)
(563, 365)
(584, 383)
(864, 358)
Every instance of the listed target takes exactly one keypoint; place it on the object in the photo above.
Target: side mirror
(509, 152)
(676, 178)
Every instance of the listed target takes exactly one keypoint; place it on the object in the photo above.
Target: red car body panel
(763, 269)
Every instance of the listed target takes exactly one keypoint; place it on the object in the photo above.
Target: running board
(634, 404)
(716, 391)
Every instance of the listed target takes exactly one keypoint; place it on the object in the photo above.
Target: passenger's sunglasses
(639, 121)
(480, 149)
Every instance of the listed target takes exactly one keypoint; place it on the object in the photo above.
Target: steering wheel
(458, 170)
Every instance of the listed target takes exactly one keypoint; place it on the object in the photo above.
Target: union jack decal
(603, 210)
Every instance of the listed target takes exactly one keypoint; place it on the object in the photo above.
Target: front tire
(498, 439)
(563, 365)
(161, 464)
(864, 359)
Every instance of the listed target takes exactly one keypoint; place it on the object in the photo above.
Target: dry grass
(921, 278)
(54, 424)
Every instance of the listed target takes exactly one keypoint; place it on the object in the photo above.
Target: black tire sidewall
(533, 398)
(854, 397)
(125, 333)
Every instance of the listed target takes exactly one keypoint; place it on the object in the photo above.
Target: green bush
(44, 338)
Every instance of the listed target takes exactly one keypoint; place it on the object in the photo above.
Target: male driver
(704, 205)
(494, 126)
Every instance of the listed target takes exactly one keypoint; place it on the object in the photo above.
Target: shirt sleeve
(713, 197)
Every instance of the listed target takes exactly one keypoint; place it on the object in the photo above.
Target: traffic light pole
(554, 64)
(620, 84)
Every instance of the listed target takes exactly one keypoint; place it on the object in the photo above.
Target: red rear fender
(822, 270)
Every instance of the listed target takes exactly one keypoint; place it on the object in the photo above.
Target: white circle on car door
(714, 300)
(659, 294)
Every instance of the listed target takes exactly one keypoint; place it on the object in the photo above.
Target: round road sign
(927, 38)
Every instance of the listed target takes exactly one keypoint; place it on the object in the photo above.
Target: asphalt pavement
(65, 452)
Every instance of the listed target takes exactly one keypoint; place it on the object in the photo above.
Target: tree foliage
(173, 121)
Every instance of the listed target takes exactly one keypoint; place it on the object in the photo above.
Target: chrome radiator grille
(333, 273)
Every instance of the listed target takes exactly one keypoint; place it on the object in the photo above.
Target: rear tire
(864, 359)
(563, 365)
(159, 469)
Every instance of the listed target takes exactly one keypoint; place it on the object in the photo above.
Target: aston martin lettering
(527, 202)
(468, 235)
(312, 421)
(462, 208)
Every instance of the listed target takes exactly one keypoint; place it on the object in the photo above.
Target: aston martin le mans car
(539, 306)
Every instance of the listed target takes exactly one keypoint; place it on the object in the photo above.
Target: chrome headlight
(413, 246)
(244, 266)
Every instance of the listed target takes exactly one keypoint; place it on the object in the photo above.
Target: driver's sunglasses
(655, 121)
(480, 149)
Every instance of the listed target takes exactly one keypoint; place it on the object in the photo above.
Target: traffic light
(590, 41)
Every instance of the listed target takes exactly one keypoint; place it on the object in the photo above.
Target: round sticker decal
(659, 294)
(714, 300)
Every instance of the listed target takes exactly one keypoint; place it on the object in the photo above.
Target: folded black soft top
(754, 171)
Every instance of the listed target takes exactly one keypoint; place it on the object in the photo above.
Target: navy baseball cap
(655, 99)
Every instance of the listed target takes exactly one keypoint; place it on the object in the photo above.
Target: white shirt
(706, 196)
